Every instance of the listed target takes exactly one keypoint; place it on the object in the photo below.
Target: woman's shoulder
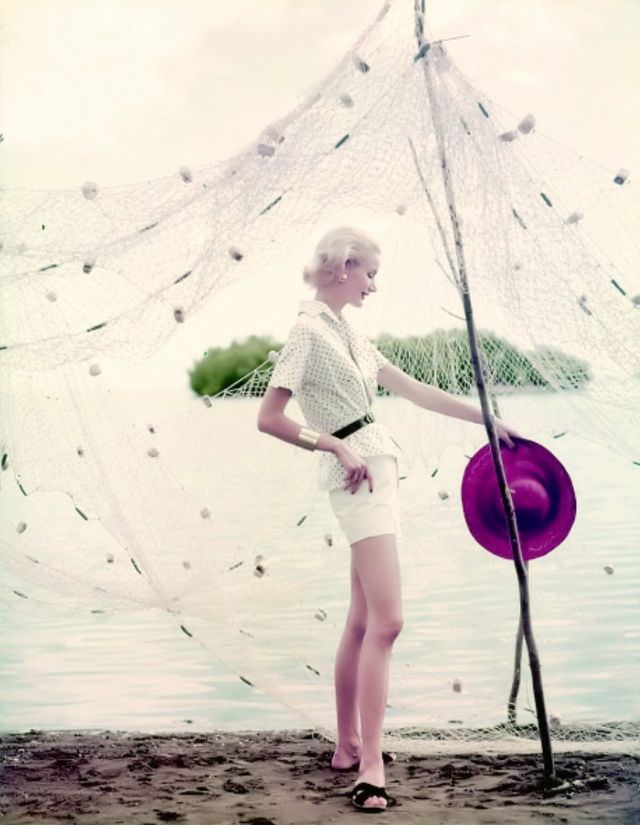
(302, 332)
(307, 326)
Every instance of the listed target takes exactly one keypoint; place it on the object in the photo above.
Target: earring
(344, 276)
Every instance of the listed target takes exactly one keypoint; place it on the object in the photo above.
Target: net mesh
(121, 500)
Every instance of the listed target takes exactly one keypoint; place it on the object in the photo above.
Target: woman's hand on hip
(356, 468)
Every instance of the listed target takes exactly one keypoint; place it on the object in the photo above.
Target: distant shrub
(441, 358)
(564, 370)
(223, 366)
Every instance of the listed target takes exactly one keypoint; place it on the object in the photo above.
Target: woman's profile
(334, 371)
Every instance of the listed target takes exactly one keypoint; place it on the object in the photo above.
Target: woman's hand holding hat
(505, 433)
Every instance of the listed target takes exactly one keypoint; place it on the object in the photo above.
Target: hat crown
(531, 501)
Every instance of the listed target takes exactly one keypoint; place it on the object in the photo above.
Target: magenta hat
(542, 495)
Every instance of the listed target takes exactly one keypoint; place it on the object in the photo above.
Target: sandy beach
(285, 778)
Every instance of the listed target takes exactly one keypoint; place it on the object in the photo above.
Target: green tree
(223, 366)
(441, 358)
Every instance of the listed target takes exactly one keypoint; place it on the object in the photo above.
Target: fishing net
(120, 499)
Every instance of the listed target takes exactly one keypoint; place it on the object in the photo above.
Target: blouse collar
(314, 307)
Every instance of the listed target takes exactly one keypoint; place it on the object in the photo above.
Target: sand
(285, 778)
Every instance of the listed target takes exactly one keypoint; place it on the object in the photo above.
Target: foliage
(223, 366)
(441, 358)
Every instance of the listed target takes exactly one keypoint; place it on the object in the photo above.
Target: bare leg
(346, 677)
(377, 565)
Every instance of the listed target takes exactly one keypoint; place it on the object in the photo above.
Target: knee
(357, 624)
(388, 628)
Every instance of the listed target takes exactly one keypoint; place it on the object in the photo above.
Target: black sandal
(364, 791)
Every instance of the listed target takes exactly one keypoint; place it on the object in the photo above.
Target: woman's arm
(431, 398)
(272, 420)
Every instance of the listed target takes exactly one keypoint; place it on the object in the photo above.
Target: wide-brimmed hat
(542, 494)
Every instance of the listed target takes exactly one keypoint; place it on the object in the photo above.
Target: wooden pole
(505, 494)
(515, 683)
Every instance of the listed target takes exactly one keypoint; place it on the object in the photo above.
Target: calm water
(135, 672)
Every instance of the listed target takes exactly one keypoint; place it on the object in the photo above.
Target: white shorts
(363, 513)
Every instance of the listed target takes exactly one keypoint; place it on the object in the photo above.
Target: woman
(333, 370)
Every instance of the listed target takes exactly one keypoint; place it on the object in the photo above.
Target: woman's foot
(374, 775)
(346, 756)
(364, 793)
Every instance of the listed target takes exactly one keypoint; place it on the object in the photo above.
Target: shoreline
(284, 777)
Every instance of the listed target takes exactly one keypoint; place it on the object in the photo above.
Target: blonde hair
(332, 252)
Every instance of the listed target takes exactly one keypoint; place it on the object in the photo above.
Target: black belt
(343, 432)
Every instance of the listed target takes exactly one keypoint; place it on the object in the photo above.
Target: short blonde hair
(332, 252)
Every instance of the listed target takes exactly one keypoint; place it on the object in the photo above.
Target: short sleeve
(379, 359)
(292, 360)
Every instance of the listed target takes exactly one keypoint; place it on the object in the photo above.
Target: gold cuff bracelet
(308, 437)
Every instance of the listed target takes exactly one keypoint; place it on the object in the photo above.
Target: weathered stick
(505, 494)
(515, 683)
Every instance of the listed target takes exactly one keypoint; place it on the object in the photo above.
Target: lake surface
(134, 671)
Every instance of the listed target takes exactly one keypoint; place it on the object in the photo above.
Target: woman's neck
(334, 306)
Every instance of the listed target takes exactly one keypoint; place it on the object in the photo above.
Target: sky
(119, 91)
(126, 90)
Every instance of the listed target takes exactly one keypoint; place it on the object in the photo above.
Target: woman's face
(362, 278)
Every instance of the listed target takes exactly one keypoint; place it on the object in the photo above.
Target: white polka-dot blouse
(316, 365)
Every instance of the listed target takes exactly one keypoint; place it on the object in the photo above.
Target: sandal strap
(365, 790)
